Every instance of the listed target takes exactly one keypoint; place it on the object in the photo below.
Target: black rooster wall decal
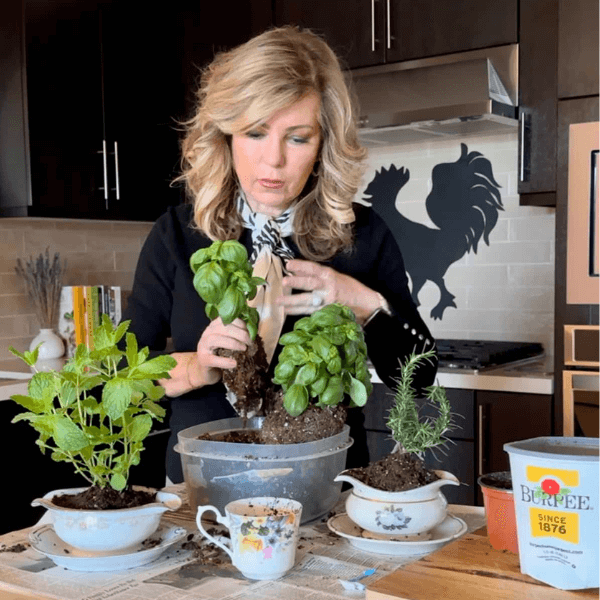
(464, 204)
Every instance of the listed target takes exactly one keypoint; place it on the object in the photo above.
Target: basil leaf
(358, 392)
(233, 251)
(231, 305)
(294, 337)
(210, 282)
(296, 400)
(334, 392)
(307, 374)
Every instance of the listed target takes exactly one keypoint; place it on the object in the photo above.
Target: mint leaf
(68, 436)
(116, 397)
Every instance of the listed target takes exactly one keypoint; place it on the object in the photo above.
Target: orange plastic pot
(500, 511)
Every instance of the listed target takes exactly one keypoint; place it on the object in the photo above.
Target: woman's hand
(328, 285)
(204, 367)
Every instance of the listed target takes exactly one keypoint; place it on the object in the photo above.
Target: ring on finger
(318, 298)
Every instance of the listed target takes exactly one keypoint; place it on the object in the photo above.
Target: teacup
(263, 532)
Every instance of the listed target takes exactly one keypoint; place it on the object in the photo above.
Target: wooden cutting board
(467, 568)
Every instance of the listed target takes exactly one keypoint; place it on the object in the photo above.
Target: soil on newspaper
(280, 428)
(95, 498)
(395, 473)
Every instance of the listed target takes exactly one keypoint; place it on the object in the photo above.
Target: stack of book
(81, 307)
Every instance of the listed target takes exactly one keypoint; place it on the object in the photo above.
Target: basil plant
(324, 358)
(223, 279)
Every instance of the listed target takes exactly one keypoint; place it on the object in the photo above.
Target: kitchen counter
(528, 377)
(533, 377)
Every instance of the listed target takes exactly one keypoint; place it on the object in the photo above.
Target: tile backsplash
(97, 252)
(505, 291)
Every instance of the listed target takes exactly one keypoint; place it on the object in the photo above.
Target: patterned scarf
(267, 232)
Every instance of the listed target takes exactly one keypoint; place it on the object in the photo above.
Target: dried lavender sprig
(43, 281)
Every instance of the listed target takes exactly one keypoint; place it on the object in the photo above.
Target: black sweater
(164, 304)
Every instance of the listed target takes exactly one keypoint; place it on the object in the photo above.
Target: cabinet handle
(389, 26)
(117, 186)
(104, 172)
(372, 25)
(522, 153)
(480, 448)
(524, 139)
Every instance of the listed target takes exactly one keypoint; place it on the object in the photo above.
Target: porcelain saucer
(450, 529)
(44, 540)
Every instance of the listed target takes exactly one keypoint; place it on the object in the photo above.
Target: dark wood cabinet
(435, 27)
(373, 32)
(538, 56)
(578, 48)
(103, 95)
(107, 86)
(504, 417)
(485, 422)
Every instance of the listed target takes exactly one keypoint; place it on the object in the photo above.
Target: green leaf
(318, 386)
(118, 481)
(321, 346)
(42, 385)
(199, 258)
(296, 400)
(294, 337)
(28, 357)
(335, 365)
(35, 405)
(233, 251)
(358, 392)
(305, 324)
(334, 392)
(68, 436)
(158, 412)
(156, 368)
(294, 354)
(116, 396)
(140, 427)
(285, 371)
(210, 282)
(307, 374)
(231, 305)
(211, 311)
(326, 318)
(131, 350)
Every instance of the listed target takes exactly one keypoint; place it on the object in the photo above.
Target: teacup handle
(220, 519)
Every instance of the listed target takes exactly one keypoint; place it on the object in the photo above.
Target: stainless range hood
(470, 93)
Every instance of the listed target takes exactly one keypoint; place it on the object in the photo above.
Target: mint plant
(323, 358)
(411, 434)
(100, 434)
(223, 279)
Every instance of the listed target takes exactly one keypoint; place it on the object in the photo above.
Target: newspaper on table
(324, 561)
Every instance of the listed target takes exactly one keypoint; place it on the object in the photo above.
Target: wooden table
(466, 569)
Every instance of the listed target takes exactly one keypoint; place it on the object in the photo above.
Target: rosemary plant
(411, 434)
(43, 281)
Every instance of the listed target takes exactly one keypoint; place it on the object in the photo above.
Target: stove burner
(477, 355)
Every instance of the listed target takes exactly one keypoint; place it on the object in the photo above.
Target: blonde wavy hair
(240, 90)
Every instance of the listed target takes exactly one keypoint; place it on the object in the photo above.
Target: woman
(271, 158)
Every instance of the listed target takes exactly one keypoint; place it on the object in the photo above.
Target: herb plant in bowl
(95, 414)
(398, 495)
(298, 442)
(324, 359)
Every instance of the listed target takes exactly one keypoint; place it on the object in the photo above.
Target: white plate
(44, 540)
(451, 528)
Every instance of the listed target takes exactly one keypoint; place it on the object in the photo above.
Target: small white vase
(52, 344)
